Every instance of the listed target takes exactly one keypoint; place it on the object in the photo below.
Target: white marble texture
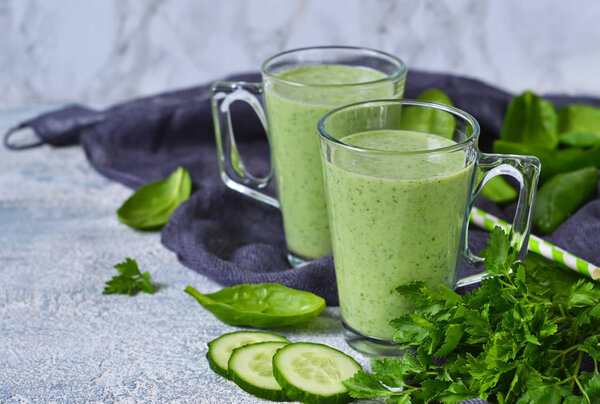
(102, 51)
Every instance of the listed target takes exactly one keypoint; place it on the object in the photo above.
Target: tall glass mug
(298, 88)
(400, 179)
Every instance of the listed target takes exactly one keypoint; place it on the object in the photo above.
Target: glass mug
(400, 180)
(298, 88)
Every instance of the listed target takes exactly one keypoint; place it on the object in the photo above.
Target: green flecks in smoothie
(394, 222)
(293, 113)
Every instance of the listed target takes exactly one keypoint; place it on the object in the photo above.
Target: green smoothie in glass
(298, 88)
(399, 178)
(293, 114)
(403, 221)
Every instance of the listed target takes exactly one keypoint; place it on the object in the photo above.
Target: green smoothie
(394, 219)
(294, 107)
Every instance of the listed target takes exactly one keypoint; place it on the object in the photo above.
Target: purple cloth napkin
(229, 237)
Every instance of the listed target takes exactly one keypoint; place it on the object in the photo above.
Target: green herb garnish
(129, 281)
(261, 305)
(520, 338)
(151, 205)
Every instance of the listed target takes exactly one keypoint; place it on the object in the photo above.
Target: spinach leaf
(499, 191)
(560, 196)
(263, 305)
(580, 139)
(428, 120)
(531, 120)
(151, 205)
(579, 118)
(553, 161)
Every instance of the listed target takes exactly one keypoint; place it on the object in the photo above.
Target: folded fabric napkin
(231, 238)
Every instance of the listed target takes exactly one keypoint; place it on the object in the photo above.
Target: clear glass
(298, 88)
(400, 182)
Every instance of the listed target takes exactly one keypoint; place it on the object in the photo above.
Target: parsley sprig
(130, 279)
(530, 335)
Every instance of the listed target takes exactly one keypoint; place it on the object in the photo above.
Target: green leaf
(580, 139)
(435, 95)
(428, 120)
(561, 196)
(262, 305)
(449, 295)
(498, 255)
(129, 281)
(151, 206)
(128, 268)
(553, 161)
(452, 337)
(499, 191)
(579, 118)
(456, 392)
(407, 332)
(592, 388)
(583, 294)
(539, 391)
(592, 347)
(394, 371)
(575, 400)
(365, 385)
(531, 120)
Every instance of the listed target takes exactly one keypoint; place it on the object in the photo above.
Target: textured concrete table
(61, 340)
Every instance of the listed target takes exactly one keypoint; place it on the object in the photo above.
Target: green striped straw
(537, 245)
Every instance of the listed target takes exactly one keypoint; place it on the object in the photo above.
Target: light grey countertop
(61, 340)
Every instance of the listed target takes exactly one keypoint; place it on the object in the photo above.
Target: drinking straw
(537, 245)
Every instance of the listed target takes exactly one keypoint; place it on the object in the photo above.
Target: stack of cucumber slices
(271, 367)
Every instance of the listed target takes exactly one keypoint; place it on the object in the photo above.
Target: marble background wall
(102, 51)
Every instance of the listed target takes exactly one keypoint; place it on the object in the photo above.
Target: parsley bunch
(129, 280)
(529, 335)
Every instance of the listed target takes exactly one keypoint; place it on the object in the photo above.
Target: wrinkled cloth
(229, 237)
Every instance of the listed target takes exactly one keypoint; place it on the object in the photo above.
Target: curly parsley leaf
(129, 281)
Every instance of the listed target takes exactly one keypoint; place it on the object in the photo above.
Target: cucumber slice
(219, 349)
(313, 373)
(251, 368)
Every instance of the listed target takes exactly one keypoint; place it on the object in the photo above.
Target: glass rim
(402, 69)
(472, 138)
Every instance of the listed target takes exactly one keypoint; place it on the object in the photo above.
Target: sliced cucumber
(313, 373)
(251, 368)
(219, 349)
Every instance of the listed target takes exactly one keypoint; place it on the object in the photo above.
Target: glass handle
(525, 169)
(231, 167)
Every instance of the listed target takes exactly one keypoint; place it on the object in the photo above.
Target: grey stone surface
(61, 340)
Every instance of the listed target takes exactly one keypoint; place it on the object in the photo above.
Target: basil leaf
(151, 205)
(579, 118)
(263, 305)
(580, 139)
(531, 120)
(553, 161)
(558, 198)
(429, 120)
